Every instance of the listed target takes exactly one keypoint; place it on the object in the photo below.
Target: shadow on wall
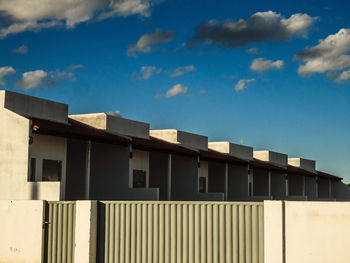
(34, 191)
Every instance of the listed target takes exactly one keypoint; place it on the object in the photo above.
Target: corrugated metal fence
(61, 227)
(183, 232)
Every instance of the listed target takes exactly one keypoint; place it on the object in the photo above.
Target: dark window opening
(202, 184)
(250, 189)
(52, 170)
(139, 179)
(32, 170)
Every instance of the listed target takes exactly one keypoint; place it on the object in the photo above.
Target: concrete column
(226, 182)
(85, 231)
(274, 239)
(169, 176)
(287, 189)
(251, 182)
(87, 170)
(269, 184)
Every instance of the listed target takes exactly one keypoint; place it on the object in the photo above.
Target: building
(47, 154)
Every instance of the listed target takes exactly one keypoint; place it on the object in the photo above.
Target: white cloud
(4, 71)
(182, 70)
(116, 113)
(127, 8)
(242, 84)
(174, 91)
(21, 50)
(253, 51)
(23, 15)
(260, 27)
(32, 79)
(148, 71)
(345, 75)
(146, 41)
(330, 54)
(263, 64)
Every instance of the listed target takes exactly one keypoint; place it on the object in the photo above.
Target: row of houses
(47, 154)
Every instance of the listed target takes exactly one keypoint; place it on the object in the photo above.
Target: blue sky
(185, 65)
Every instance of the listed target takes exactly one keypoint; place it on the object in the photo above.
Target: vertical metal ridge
(196, 232)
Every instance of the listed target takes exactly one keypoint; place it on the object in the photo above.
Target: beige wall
(21, 231)
(14, 165)
(139, 161)
(314, 232)
(317, 232)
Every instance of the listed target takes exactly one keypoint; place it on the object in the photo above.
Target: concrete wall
(273, 157)
(187, 139)
(203, 172)
(76, 170)
(216, 177)
(29, 106)
(236, 150)
(237, 183)
(109, 175)
(324, 228)
(323, 187)
(261, 182)
(278, 185)
(310, 187)
(309, 165)
(115, 124)
(14, 161)
(306, 232)
(184, 180)
(50, 148)
(158, 173)
(139, 161)
(22, 233)
(340, 191)
(295, 185)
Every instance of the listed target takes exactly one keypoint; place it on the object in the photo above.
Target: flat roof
(327, 175)
(300, 171)
(221, 157)
(77, 130)
(159, 145)
(256, 163)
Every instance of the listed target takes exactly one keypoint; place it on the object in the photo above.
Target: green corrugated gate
(60, 234)
(183, 232)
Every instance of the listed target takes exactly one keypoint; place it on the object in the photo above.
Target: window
(139, 179)
(52, 170)
(32, 170)
(202, 184)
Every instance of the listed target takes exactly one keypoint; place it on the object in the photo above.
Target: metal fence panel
(61, 228)
(186, 232)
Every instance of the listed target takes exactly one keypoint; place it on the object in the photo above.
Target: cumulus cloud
(148, 71)
(242, 84)
(253, 51)
(146, 41)
(331, 54)
(263, 64)
(182, 70)
(260, 27)
(4, 71)
(21, 50)
(34, 15)
(174, 91)
(116, 113)
(37, 78)
(32, 79)
(130, 7)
